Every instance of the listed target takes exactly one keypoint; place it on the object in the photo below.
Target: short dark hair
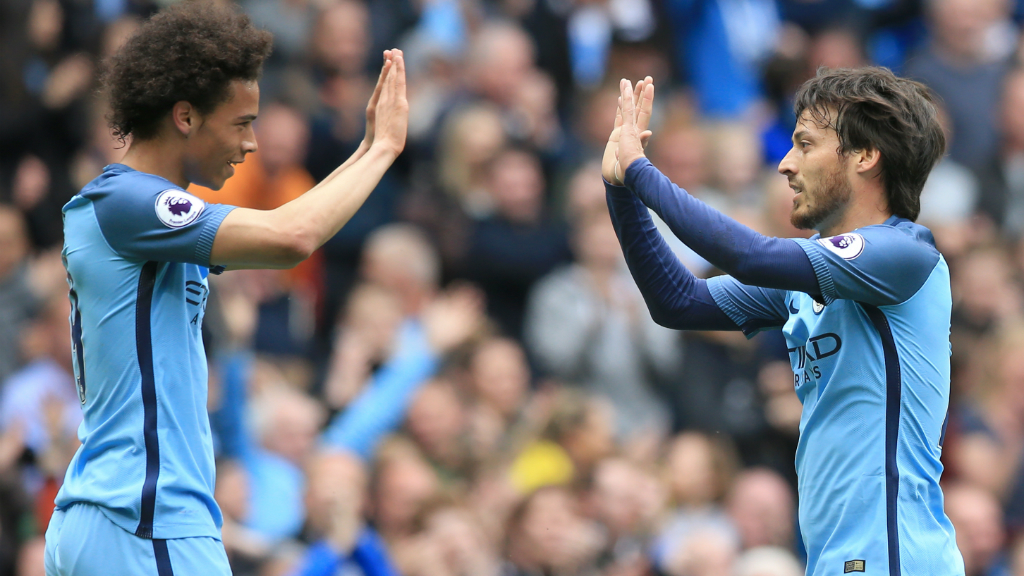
(873, 108)
(190, 52)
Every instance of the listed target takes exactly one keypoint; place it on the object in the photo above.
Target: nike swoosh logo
(793, 309)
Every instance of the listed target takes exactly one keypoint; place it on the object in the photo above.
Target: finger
(645, 137)
(618, 116)
(400, 71)
(638, 91)
(380, 80)
(646, 103)
(628, 110)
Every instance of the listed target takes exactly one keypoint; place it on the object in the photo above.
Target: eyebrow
(801, 134)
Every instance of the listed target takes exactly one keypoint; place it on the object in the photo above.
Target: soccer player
(864, 306)
(138, 495)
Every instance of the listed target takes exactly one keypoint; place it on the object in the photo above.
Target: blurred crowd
(465, 381)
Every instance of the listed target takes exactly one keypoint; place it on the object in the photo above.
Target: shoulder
(130, 196)
(896, 241)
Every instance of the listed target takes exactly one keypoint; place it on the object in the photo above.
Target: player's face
(817, 173)
(223, 137)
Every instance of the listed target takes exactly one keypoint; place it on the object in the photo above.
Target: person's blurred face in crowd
(761, 505)
(549, 534)
(232, 490)
(737, 157)
(595, 244)
(707, 552)
(978, 521)
(46, 335)
(293, 424)
(594, 437)
(984, 288)
(680, 152)
(817, 173)
(374, 314)
(1013, 110)
(333, 479)
(436, 420)
(960, 26)
(592, 126)
(341, 40)
(403, 483)
(500, 61)
(460, 542)
(400, 258)
(117, 33)
(835, 48)
(284, 134)
(14, 242)
(691, 470)
(45, 24)
(500, 375)
(586, 191)
(622, 494)
(517, 186)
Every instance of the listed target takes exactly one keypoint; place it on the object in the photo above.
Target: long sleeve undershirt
(675, 297)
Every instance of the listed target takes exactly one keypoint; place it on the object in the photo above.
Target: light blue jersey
(871, 366)
(137, 248)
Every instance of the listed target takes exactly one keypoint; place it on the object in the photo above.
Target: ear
(868, 162)
(183, 115)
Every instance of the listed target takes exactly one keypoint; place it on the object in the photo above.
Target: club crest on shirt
(817, 306)
(847, 246)
(177, 208)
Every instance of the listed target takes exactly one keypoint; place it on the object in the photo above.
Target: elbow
(663, 317)
(294, 248)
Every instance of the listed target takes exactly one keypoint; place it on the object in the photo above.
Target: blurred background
(465, 380)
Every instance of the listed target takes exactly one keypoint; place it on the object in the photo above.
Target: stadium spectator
(980, 536)
(586, 323)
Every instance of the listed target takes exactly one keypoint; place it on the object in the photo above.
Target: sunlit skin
(201, 148)
(834, 193)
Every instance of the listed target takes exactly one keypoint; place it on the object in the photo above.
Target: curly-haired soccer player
(138, 495)
(864, 306)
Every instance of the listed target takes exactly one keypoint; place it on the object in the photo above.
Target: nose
(249, 142)
(787, 166)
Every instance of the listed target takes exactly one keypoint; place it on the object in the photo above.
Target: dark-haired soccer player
(138, 495)
(864, 307)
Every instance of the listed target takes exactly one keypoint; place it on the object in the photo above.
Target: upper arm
(752, 308)
(152, 221)
(878, 265)
(257, 239)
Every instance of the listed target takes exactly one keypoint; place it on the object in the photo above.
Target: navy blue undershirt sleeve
(675, 297)
(751, 258)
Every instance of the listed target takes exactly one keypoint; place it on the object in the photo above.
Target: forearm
(317, 215)
(739, 251)
(675, 297)
(381, 407)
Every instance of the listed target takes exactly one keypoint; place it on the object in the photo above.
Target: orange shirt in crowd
(253, 187)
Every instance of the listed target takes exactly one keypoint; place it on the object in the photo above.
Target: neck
(158, 158)
(865, 208)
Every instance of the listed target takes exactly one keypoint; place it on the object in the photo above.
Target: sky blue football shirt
(871, 366)
(137, 251)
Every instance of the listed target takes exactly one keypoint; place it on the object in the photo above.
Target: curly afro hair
(190, 52)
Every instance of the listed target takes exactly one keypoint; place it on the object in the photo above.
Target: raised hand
(371, 107)
(391, 114)
(642, 118)
(636, 116)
